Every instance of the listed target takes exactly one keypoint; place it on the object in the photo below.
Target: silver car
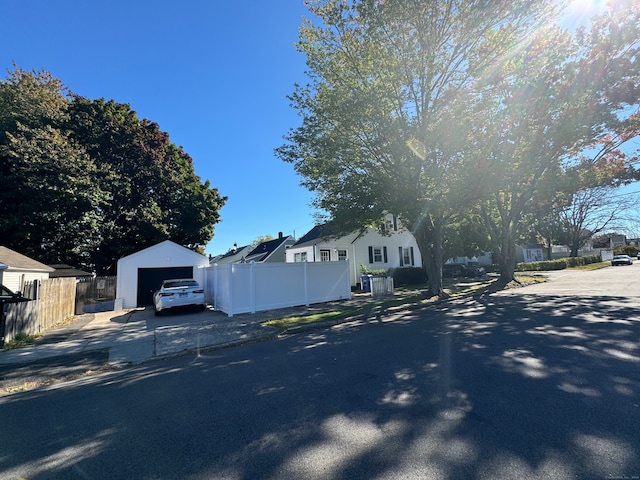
(181, 292)
(621, 260)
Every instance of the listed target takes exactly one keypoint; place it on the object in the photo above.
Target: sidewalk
(136, 336)
(133, 337)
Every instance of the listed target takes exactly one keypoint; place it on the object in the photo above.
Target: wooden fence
(95, 294)
(54, 301)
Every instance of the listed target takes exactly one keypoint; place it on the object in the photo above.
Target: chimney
(280, 235)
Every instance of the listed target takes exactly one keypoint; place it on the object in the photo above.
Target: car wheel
(157, 312)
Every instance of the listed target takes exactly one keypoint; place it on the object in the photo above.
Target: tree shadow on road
(503, 386)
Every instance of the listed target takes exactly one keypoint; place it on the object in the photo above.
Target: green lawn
(402, 297)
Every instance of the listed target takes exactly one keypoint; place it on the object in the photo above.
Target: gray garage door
(150, 279)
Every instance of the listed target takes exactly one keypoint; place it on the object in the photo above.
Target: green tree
(153, 193)
(46, 188)
(87, 182)
(385, 117)
(552, 99)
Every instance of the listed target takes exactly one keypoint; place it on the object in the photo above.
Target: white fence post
(252, 287)
(230, 269)
(306, 283)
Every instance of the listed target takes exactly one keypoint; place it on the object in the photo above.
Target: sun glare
(578, 12)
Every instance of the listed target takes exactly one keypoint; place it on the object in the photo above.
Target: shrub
(376, 273)
(408, 276)
(558, 264)
(631, 250)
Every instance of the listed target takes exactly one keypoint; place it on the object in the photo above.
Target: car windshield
(180, 284)
(5, 292)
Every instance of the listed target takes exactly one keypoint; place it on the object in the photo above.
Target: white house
(16, 269)
(142, 273)
(367, 247)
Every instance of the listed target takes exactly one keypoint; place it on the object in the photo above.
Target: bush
(406, 276)
(559, 264)
(376, 273)
(631, 250)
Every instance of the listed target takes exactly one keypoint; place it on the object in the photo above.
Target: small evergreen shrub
(406, 276)
(559, 264)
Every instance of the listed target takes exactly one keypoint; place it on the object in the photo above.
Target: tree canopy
(439, 110)
(86, 182)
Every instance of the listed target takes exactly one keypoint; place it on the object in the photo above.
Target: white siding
(14, 280)
(357, 248)
(163, 255)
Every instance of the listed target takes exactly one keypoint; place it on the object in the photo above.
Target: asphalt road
(542, 382)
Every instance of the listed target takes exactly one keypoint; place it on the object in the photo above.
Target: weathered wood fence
(95, 294)
(53, 300)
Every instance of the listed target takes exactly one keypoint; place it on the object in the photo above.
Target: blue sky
(213, 74)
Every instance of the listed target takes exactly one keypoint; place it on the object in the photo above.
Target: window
(300, 257)
(406, 256)
(325, 255)
(342, 254)
(377, 254)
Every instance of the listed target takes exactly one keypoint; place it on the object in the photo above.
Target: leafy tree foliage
(87, 182)
(386, 114)
(431, 109)
(552, 100)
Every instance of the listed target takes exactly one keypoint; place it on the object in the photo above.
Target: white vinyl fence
(253, 287)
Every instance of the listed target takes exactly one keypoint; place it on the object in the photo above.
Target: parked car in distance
(181, 292)
(457, 270)
(621, 260)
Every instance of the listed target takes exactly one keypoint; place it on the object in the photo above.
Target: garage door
(150, 279)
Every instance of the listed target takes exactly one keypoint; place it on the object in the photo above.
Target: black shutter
(384, 250)
(395, 223)
(401, 259)
(412, 260)
(370, 254)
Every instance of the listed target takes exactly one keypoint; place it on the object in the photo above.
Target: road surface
(541, 382)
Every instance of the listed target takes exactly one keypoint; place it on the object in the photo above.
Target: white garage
(142, 273)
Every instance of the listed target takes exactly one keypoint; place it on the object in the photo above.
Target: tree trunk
(504, 248)
(429, 235)
(508, 263)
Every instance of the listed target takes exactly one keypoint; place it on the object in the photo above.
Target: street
(531, 383)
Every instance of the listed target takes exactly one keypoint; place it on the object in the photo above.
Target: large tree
(385, 117)
(47, 192)
(153, 193)
(86, 182)
(551, 99)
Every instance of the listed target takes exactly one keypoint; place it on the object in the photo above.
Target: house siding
(163, 255)
(357, 246)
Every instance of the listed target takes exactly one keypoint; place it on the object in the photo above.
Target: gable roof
(319, 231)
(232, 252)
(264, 249)
(164, 245)
(13, 259)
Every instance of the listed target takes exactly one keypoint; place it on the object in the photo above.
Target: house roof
(166, 244)
(64, 271)
(319, 231)
(233, 252)
(13, 259)
(264, 249)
